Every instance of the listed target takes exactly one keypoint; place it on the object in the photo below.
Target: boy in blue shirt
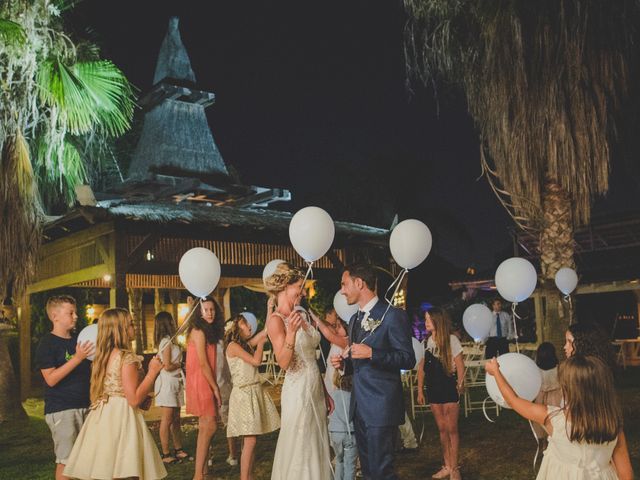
(66, 372)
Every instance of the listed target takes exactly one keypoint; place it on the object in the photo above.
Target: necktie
(498, 325)
(358, 325)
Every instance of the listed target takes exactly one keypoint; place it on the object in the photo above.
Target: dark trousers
(375, 449)
(496, 346)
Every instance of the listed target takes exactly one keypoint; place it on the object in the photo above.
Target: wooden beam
(138, 252)
(118, 292)
(70, 278)
(608, 287)
(76, 240)
(24, 331)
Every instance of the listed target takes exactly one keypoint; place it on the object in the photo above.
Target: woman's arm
(235, 350)
(420, 368)
(166, 359)
(201, 351)
(328, 333)
(260, 337)
(136, 393)
(283, 339)
(459, 363)
(529, 410)
(621, 460)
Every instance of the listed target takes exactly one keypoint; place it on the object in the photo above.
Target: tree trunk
(135, 307)
(10, 406)
(556, 252)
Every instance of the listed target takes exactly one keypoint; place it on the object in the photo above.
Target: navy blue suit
(377, 402)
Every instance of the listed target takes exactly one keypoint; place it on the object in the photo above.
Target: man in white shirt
(501, 332)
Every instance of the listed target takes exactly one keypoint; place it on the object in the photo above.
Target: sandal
(444, 472)
(180, 454)
(168, 459)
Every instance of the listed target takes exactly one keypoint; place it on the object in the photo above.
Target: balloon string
(514, 315)
(397, 283)
(484, 409)
(182, 328)
(535, 458)
(567, 298)
(306, 277)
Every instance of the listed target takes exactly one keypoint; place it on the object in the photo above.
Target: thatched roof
(173, 60)
(176, 139)
(202, 216)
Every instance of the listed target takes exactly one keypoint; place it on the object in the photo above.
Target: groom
(379, 350)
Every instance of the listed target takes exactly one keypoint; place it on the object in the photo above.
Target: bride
(302, 451)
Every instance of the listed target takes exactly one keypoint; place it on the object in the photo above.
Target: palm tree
(58, 103)
(544, 82)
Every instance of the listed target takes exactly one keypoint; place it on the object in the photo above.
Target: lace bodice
(307, 341)
(113, 378)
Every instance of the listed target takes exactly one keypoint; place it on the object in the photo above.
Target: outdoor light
(184, 310)
(149, 256)
(91, 311)
(106, 278)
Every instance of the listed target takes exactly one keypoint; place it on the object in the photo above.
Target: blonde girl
(115, 441)
(251, 410)
(441, 377)
(586, 440)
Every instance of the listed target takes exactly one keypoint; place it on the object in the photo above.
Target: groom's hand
(360, 351)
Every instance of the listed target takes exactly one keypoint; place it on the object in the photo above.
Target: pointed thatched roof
(173, 60)
(176, 139)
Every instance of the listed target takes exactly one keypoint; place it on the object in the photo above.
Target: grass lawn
(501, 450)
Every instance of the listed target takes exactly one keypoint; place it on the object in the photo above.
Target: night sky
(313, 97)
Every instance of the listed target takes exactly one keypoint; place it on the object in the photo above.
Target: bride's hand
(328, 400)
(294, 322)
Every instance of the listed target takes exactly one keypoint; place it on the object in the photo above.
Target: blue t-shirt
(73, 390)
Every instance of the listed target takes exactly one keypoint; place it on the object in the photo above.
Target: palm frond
(20, 217)
(92, 95)
(58, 181)
(544, 82)
(11, 32)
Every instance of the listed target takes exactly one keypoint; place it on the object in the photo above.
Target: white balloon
(252, 321)
(410, 243)
(270, 269)
(418, 349)
(89, 333)
(311, 232)
(516, 279)
(521, 372)
(566, 280)
(343, 309)
(477, 320)
(199, 271)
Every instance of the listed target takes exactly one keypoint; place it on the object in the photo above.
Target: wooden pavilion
(178, 195)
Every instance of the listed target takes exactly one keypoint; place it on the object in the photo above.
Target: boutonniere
(369, 325)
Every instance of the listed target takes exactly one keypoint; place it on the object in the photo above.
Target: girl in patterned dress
(251, 410)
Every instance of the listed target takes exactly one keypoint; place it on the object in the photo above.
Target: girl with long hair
(169, 387)
(550, 391)
(251, 410)
(586, 439)
(115, 441)
(584, 338)
(203, 394)
(441, 377)
(304, 401)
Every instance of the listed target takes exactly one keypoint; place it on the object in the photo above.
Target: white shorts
(169, 390)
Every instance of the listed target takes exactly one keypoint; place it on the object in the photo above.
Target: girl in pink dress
(203, 394)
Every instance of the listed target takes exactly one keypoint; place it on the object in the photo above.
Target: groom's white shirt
(367, 308)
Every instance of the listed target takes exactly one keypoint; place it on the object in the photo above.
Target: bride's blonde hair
(284, 275)
(113, 326)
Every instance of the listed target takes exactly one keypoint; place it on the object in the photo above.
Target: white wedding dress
(302, 452)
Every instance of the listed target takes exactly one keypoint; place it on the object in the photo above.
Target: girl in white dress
(586, 441)
(302, 452)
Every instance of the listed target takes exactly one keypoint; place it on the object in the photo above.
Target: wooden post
(539, 313)
(174, 296)
(226, 299)
(135, 307)
(24, 331)
(117, 263)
